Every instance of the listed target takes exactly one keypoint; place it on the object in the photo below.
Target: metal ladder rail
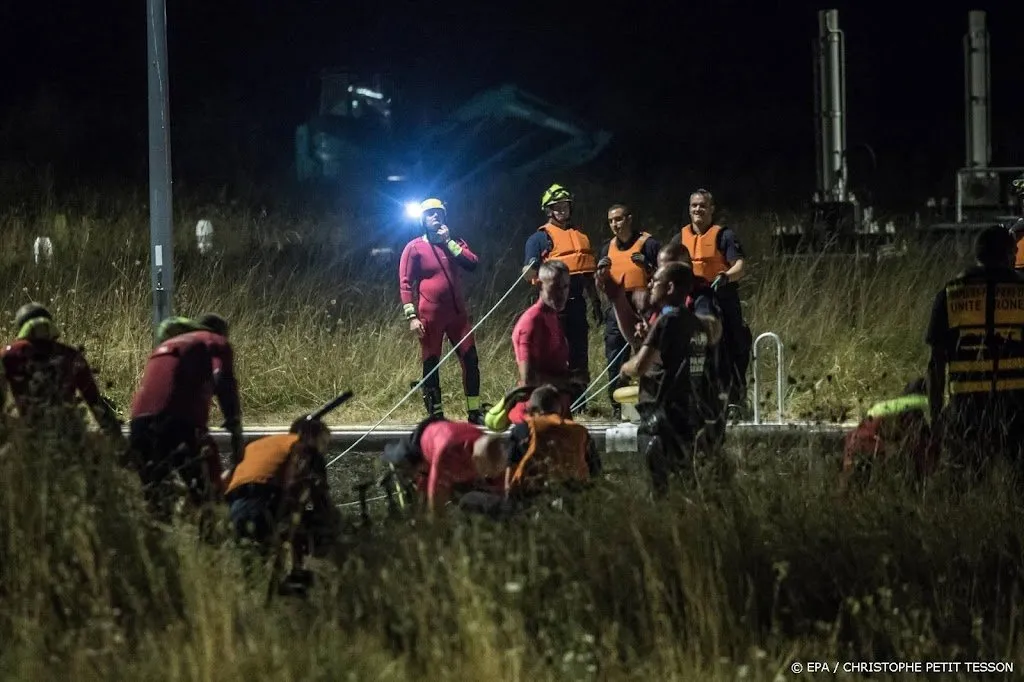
(780, 378)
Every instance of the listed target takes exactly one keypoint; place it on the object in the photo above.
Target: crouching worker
(43, 373)
(549, 453)
(449, 460)
(897, 427)
(678, 395)
(171, 409)
(278, 494)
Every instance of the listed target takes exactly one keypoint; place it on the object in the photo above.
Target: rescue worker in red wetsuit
(548, 450)
(557, 240)
(540, 347)
(625, 264)
(897, 427)
(976, 332)
(718, 258)
(170, 411)
(449, 460)
(430, 270)
(280, 492)
(43, 373)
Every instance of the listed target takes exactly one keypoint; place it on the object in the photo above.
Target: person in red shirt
(171, 407)
(450, 459)
(429, 270)
(539, 342)
(43, 373)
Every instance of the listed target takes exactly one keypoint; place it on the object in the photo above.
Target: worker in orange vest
(625, 263)
(718, 259)
(560, 241)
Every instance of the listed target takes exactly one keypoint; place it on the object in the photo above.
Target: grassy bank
(314, 312)
(719, 584)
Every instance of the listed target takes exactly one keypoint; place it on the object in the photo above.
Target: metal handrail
(780, 379)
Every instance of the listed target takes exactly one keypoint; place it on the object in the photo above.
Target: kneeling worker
(280, 488)
(449, 459)
(548, 449)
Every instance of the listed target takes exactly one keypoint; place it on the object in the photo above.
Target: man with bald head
(679, 401)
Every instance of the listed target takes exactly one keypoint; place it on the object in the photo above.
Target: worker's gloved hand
(518, 395)
(604, 263)
(720, 280)
(640, 259)
(234, 426)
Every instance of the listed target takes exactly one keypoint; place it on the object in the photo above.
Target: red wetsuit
(63, 368)
(429, 270)
(447, 449)
(538, 339)
(178, 379)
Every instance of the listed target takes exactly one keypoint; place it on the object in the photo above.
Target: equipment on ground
(836, 221)
(983, 193)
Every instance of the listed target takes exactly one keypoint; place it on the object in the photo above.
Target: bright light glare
(367, 92)
(412, 209)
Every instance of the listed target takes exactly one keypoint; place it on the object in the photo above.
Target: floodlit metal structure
(982, 191)
(357, 135)
(836, 220)
(161, 251)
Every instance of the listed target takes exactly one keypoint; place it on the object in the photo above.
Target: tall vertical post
(830, 98)
(161, 253)
(976, 92)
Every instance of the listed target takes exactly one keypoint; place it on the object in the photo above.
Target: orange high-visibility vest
(264, 460)
(624, 271)
(557, 453)
(572, 247)
(707, 260)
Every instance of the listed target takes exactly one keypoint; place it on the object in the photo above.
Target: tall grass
(313, 312)
(716, 583)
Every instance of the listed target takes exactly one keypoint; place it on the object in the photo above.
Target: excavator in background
(358, 140)
(836, 221)
(983, 195)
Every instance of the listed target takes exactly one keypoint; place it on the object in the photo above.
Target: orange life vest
(625, 272)
(1018, 263)
(557, 453)
(708, 261)
(572, 247)
(264, 461)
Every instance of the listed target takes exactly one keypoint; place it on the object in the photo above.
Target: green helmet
(554, 194)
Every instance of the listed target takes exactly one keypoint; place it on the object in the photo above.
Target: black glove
(720, 280)
(605, 262)
(237, 441)
(640, 259)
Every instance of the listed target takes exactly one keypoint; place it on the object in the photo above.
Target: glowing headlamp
(412, 210)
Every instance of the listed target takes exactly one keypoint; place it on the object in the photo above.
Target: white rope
(596, 379)
(369, 499)
(594, 394)
(436, 367)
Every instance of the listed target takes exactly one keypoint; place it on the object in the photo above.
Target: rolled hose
(627, 395)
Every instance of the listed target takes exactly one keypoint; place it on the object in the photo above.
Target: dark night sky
(716, 86)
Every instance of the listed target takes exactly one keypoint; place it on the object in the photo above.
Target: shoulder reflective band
(905, 403)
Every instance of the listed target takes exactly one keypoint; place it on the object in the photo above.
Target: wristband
(454, 248)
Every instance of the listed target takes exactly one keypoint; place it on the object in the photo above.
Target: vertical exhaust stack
(976, 92)
(830, 101)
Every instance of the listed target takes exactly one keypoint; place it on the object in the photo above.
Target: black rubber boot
(432, 401)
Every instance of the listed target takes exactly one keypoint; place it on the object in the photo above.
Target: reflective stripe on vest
(557, 453)
(624, 271)
(988, 318)
(264, 460)
(707, 260)
(906, 403)
(572, 247)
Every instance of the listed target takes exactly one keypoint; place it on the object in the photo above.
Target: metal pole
(976, 70)
(832, 89)
(161, 253)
